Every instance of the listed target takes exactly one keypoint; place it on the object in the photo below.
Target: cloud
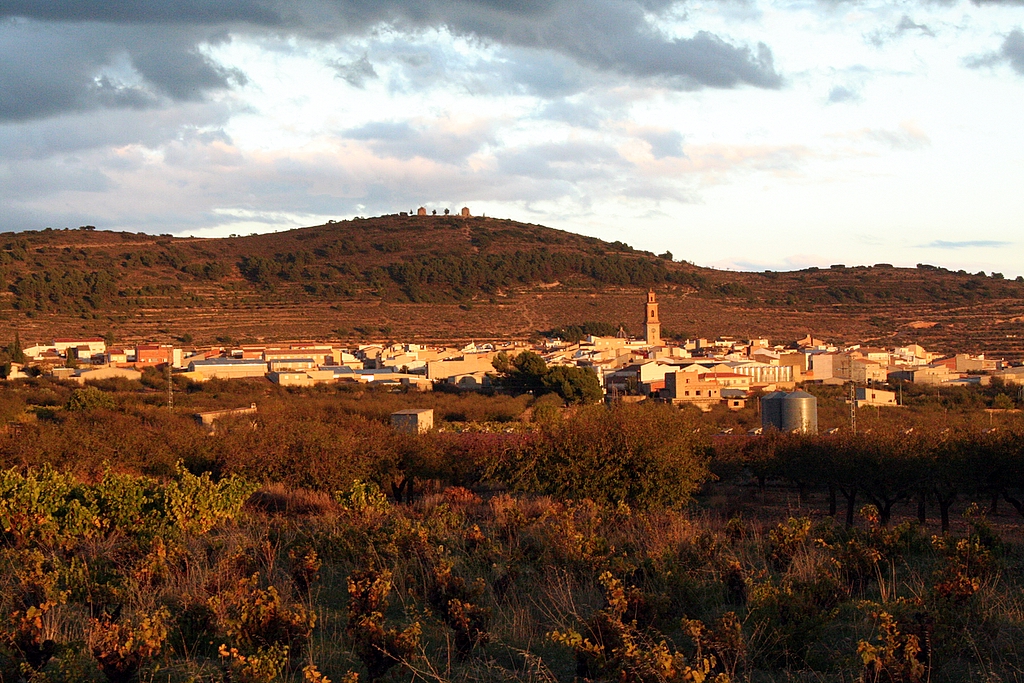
(907, 24)
(356, 72)
(905, 137)
(45, 72)
(143, 11)
(451, 143)
(664, 143)
(968, 244)
(841, 93)
(53, 53)
(1011, 52)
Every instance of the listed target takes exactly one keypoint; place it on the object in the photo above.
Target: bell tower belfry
(652, 325)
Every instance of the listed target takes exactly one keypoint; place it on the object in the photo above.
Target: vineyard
(521, 541)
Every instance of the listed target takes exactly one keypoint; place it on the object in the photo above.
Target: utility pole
(170, 388)
(853, 408)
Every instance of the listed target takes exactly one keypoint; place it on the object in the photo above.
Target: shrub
(122, 648)
(378, 647)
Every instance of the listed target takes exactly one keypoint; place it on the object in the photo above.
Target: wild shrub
(790, 615)
(305, 567)
(614, 649)
(895, 657)
(723, 642)
(456, 601)
(786, 539)
(121, 648)
(378, 647)
(255, 617)
(264, 665)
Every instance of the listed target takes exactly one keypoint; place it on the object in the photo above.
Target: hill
(450, 278)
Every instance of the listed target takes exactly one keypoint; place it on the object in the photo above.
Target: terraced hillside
(449, 278)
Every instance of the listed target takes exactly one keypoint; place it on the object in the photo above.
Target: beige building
(875, 397)
(467, 365)
(105, 372)
(300, 378)
(863, 371)
(227, 368)
(85, 346)
(687, 387)
(413, 420)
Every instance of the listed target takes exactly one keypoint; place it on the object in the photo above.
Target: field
(428, 278)
(522, 541)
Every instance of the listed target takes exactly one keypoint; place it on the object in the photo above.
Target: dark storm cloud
(609, 35)
(44, 72)
(142, 11)
(53, 52)
(1011, 52)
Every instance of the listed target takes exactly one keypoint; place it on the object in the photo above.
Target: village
(699, 372)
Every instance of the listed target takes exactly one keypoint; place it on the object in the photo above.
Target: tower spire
(652, 324)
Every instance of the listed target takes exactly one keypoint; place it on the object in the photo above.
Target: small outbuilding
(413, 420)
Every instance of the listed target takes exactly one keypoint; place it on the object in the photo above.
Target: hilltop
(450, 278)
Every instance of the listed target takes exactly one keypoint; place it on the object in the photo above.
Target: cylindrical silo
(799, 413)
(771, 410)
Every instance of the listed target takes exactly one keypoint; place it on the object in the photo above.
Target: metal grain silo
(771, 410)
(799, 413)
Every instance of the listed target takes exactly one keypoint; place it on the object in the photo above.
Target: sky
(740, 134)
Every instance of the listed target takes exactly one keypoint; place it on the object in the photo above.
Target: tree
(575, 385)
(528, 373)
(14, 351)
(88, 398)
(646, 455)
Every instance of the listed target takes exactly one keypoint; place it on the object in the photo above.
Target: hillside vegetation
(485, 277)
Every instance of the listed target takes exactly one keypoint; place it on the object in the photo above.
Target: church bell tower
(652, 326)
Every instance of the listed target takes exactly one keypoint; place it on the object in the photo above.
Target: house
(734, 399)
(117, 356)
(922, 375)
(687, 387)
(36, 351)
(300, 377)
(864, 371)
(466, 365)
(86, 347)
(291, 364)
(730, 380)
(153, 355)
(875, 397)
(227, 368)
(84, 375)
